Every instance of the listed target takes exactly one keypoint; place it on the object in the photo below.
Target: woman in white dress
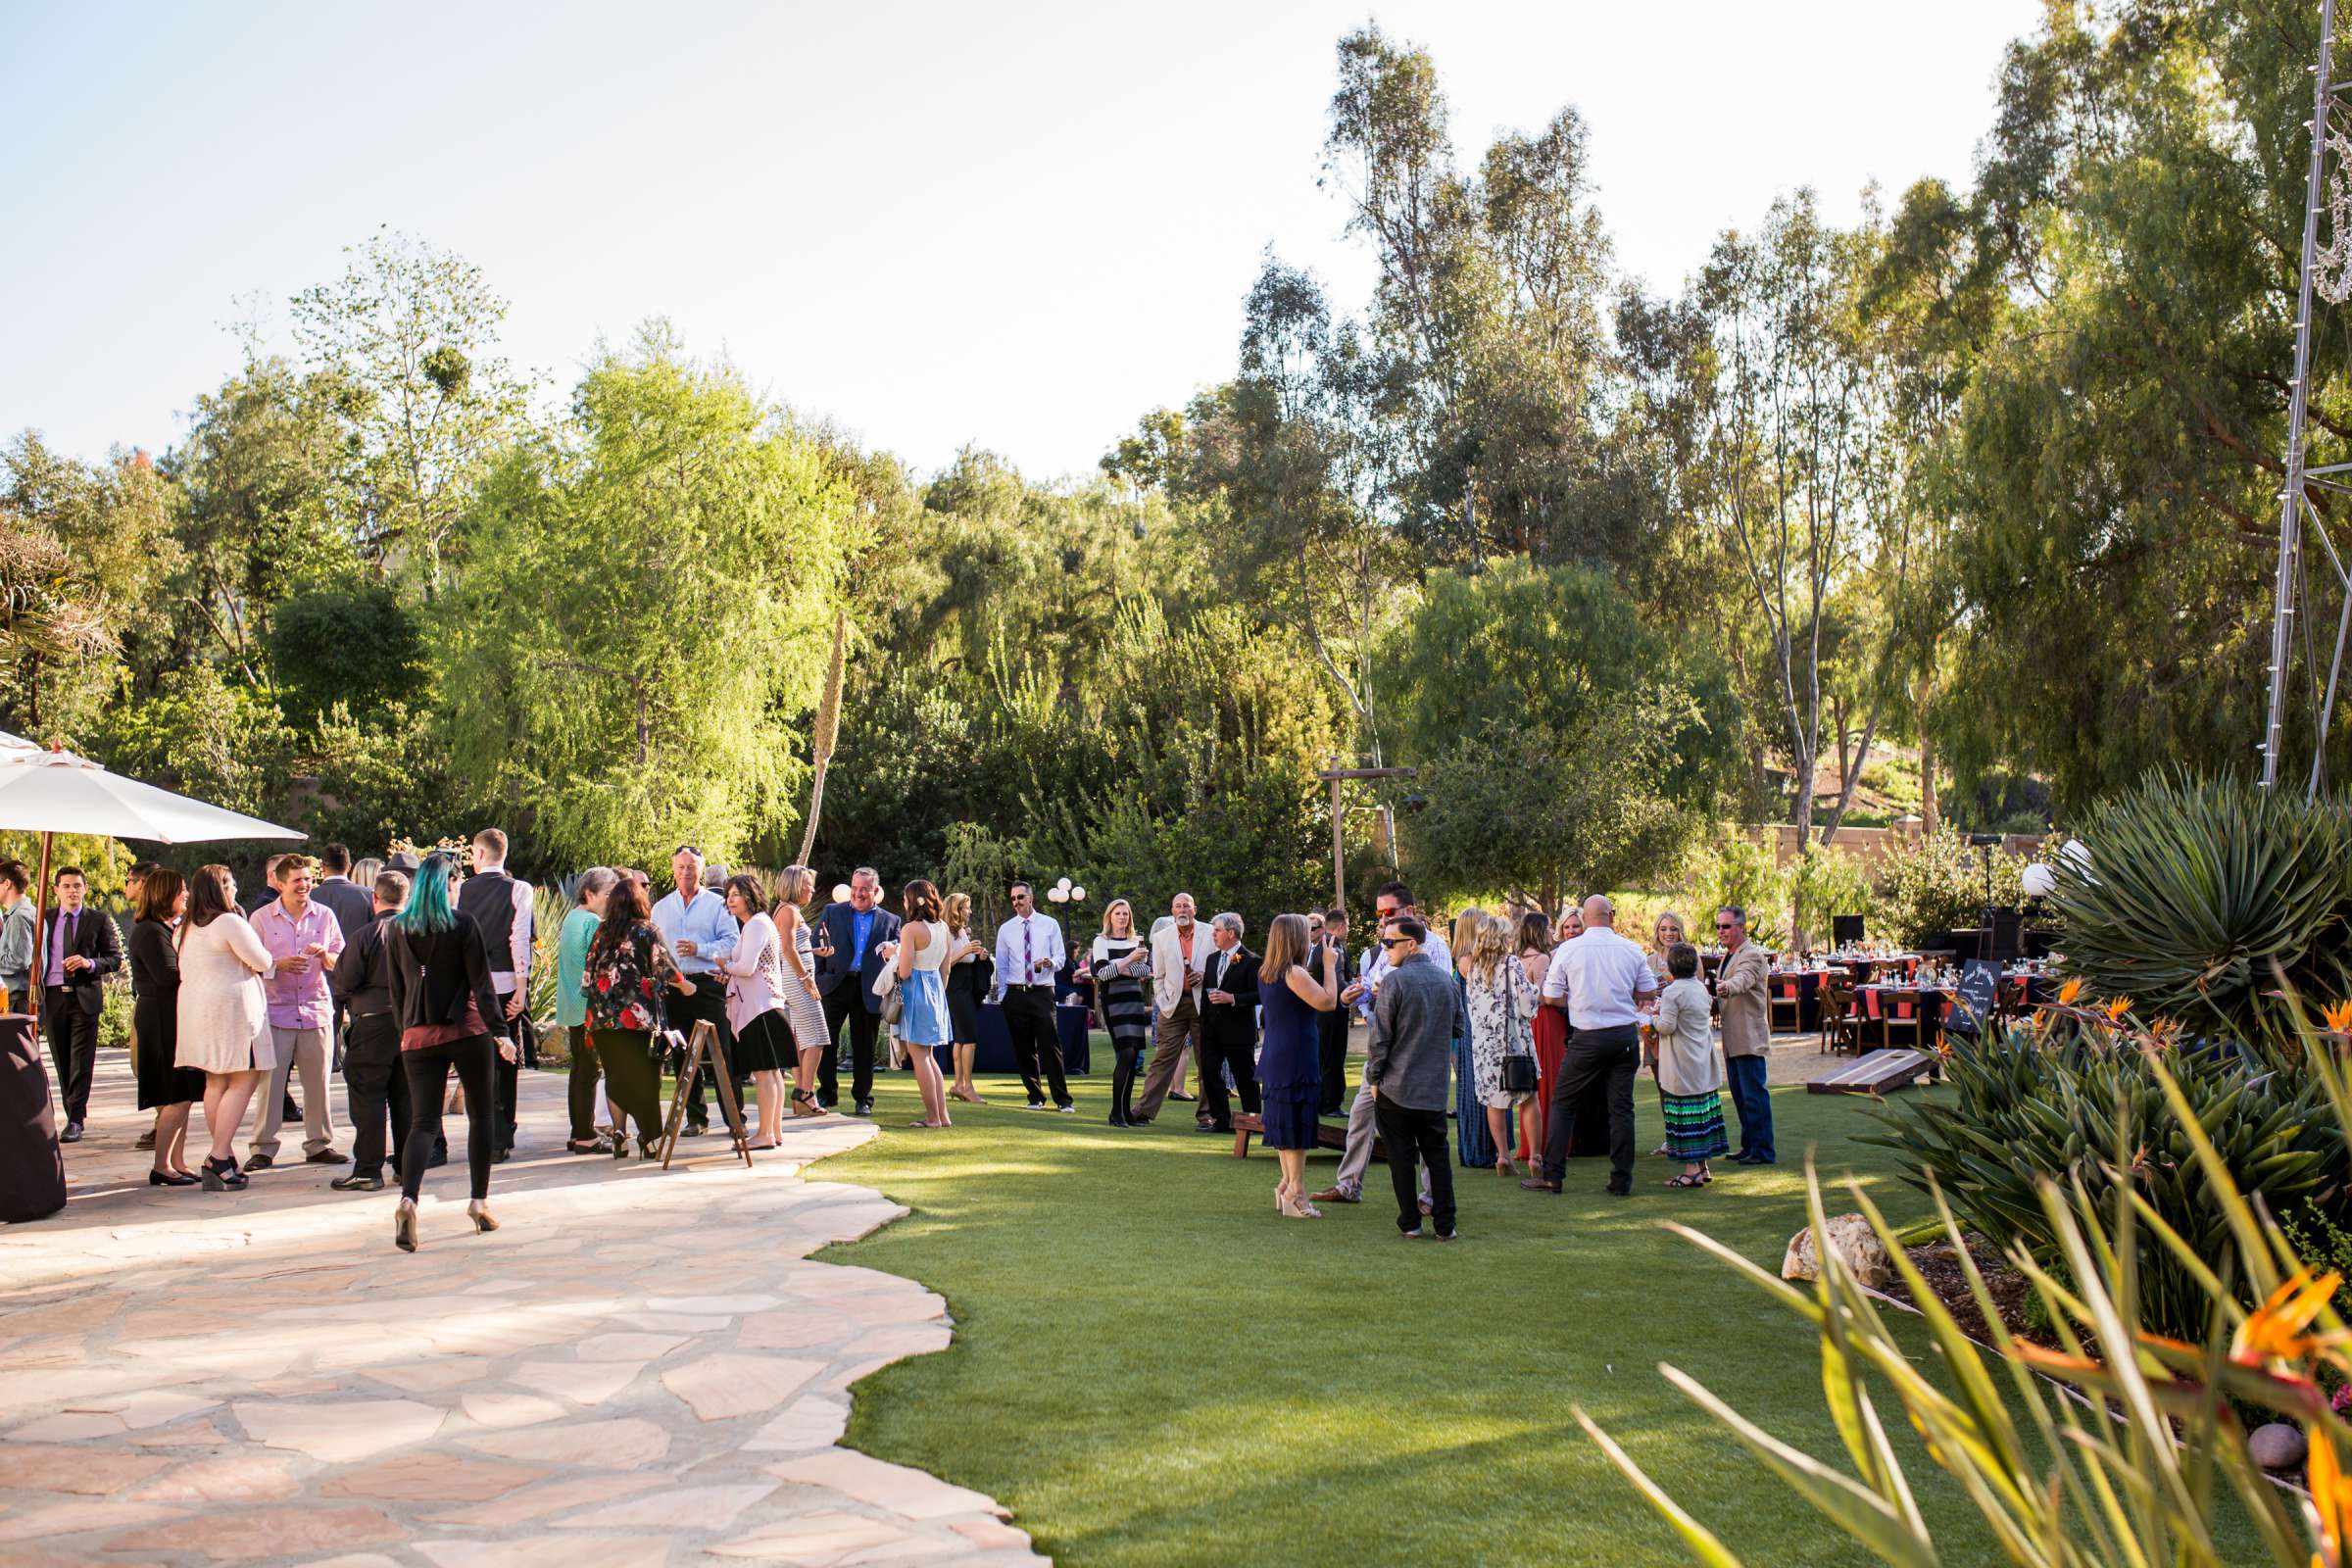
(803, 1003)
(224, 1014)
(921, 947)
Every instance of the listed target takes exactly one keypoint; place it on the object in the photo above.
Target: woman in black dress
(969, 972)
(166, 1089)
(1118, 964)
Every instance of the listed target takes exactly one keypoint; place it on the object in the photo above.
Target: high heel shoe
(222, 1176)
(159, 1178)
(803, 1103)
(404, 1225)
(478, 1212)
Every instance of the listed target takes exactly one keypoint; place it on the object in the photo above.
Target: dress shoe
(1618, 1192)
(1541, 1184)
(357, 1183)
(866, 1107)
(1336, 1195)
(255, 1162)
(1139, 1121)
(165, 1178)
(328, 1156)
(72, 1134)
(502, 1157)
(1187, 1098)
(145, 1140)
(694, 1129)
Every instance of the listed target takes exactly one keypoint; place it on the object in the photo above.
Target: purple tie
(1028, 964)
(64, 942)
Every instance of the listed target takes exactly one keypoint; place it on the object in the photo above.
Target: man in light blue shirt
(697, 930)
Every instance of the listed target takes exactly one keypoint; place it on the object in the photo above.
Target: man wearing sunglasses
(1743, 999)
(1393, 899)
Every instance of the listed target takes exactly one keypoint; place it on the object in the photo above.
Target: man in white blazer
(1179, 970)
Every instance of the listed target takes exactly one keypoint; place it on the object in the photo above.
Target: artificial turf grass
(1150, 1367)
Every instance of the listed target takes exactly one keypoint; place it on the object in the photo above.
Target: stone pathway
(638, 1368)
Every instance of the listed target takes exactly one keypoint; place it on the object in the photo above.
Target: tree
(1562, 745)
(410, 334)
(646, 614)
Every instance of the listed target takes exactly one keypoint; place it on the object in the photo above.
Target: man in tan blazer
(1179, 966)
(1744, 998)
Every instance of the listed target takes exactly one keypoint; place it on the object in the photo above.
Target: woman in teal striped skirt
(1689, 1072)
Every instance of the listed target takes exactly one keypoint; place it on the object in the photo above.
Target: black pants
(1029, 1020)
(847, 1000)
(1220, 1052)
(428, 1071)
(1597, 1063)
(581, 1089)
(73, 1047)
(377, 1087)
(1407, 1133)
(708, 1004)
(1331, 1056)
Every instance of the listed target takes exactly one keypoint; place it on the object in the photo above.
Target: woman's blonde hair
(1464, 925)
(1490, 940)
(957, 912)
(1681, 929)
(794, 885)
(1285, 944)
(1119, 903)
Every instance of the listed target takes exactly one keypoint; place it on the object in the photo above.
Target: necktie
(1028, 964)
(64, 940)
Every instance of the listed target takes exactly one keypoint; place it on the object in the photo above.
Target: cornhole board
(1874, 1072)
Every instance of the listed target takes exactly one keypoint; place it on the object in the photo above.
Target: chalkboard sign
(1971, 1009)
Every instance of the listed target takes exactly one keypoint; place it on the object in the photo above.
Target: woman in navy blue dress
(1290, 1075)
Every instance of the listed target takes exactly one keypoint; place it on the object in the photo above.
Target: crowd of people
(1523, 1032)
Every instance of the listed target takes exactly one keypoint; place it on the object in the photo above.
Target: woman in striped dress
(1689, 1070)
(803, 1003)
(1118, 964)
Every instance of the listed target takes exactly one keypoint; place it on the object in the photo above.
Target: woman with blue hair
(442, 995)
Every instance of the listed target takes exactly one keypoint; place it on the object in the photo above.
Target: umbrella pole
(40, 909)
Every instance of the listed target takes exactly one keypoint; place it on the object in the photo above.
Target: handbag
(1518, 1066)
(886, 986)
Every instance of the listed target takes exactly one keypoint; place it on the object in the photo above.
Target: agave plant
(2057, 1099)
(2114, 1449)
(2198, 892)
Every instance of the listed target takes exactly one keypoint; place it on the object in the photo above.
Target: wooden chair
(1787, 991)
(1840, 1018)
(1902, 1012)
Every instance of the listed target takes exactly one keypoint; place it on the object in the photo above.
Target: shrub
(1736, 871)
(1938, 885)
(2047, 1105)
(1823, 883)
(2202, 898)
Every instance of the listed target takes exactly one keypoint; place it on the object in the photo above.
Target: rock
(2277, 1446)
(1855, 1243)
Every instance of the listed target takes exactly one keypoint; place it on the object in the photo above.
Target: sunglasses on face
(1392, 942)
(1727, 925)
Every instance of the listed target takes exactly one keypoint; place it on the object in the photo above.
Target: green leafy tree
(646, 614)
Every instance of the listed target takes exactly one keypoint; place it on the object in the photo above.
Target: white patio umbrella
(55, 791)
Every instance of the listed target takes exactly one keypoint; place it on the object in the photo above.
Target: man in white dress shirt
(1393, 899)
(1029, 954)
(1599, 980)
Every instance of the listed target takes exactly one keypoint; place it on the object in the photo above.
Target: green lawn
(1150, 1367)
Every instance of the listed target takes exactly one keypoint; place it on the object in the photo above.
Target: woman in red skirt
(1551, 1024)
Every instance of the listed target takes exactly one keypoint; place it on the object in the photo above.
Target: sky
(1012, 226)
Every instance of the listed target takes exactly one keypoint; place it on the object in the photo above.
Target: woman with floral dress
(627, 970)
(1502, 1008)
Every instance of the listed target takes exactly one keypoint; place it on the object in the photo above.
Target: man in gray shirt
(1409, 1070)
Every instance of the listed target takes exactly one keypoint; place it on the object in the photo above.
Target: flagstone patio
(637, 1368)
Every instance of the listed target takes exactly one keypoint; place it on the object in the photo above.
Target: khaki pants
(1176, 1031)
(303, 1050)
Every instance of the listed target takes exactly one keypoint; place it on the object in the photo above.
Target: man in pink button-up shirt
(305, 940)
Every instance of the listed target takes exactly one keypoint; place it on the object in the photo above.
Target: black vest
(488, 900)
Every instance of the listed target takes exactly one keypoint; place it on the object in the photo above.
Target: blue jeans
(1754, 1106)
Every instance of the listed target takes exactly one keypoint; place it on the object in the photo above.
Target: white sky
(1018, 226)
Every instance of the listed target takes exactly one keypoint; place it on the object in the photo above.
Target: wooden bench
(1328, 1135)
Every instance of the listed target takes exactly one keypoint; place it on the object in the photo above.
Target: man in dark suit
(353, 909)
(80, 949)
(1229, 1026)
(1332, 1026)
(855, 933)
